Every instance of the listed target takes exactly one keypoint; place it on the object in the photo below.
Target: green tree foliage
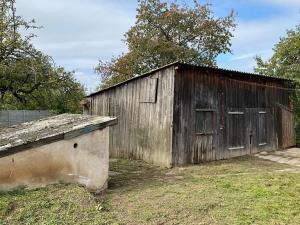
(28, 78)
(285, 63)
(62, 94)
(164, 33)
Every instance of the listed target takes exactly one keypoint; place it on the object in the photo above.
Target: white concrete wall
(87, 164)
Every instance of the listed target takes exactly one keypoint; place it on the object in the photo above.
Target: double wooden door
(245, 131)
(249, 130)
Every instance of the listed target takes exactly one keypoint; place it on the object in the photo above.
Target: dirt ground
(288, 156)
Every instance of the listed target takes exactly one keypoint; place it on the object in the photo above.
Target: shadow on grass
(129, 173)
(136, 173)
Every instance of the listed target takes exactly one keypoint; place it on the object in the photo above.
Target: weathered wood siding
(218, 115)
(182, 114)
(285, 127)
(144, 108)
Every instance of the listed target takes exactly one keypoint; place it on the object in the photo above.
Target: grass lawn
(239, 191)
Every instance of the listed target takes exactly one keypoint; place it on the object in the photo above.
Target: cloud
(286, 3)
(250, 55)
(256, 37)
(77, 33)
(87, 78)
(260, 34)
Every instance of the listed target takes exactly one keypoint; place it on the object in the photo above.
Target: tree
(22, 67)
(164, 33)
(29, 79)
(61, 94)
(285, 63)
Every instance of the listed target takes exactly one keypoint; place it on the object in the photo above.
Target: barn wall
(285, 127)
(222, 99)
(144, 108)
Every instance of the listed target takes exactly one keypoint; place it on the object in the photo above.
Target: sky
(77, 33)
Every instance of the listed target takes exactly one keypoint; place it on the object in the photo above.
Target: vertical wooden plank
(140, 124)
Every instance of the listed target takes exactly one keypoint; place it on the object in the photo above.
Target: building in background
(184, 114)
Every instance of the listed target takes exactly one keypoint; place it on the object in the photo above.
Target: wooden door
(257, 128)
(285, 128)
(262, 127)
(237, 132)
(249, 131)
(203, 149)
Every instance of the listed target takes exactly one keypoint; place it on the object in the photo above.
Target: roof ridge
(188, 65)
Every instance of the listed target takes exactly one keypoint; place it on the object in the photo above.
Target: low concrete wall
(82, 160)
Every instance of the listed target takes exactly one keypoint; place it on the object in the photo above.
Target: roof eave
(178, 63)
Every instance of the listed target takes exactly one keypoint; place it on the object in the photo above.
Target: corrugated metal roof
(222, 70)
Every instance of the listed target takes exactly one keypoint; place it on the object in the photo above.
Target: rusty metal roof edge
(234, 72)
(134, 78)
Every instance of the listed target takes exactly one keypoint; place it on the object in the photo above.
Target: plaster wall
(83, 160)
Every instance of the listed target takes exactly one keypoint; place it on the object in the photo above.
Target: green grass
(238, 191)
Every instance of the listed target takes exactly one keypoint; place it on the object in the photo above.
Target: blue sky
(78, 33)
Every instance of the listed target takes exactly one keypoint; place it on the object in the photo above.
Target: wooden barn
(184, 114)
